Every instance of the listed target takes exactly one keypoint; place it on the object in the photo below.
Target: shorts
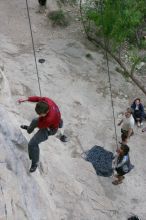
(126, 132)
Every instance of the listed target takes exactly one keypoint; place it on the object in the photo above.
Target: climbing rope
(33, 47)
(111, 95)
(107, 62)
(109, 76)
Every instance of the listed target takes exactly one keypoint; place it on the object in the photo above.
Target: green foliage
(143, 44)
(116, 19)
(144, 59)
(58, 18)
(134, 56)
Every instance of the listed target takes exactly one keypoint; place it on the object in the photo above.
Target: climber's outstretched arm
(22, 100)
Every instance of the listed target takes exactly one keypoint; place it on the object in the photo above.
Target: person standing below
(48, 122)
(138, 111)
(121, 163)
(127, 124)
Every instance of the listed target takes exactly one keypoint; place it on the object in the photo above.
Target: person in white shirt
(127, 124)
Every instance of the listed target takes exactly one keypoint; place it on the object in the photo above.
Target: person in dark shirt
(138, 111)
(121, 163)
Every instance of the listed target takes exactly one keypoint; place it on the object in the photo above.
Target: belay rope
(107, 63)
(33, 47)
(112, 103)
(109, 79)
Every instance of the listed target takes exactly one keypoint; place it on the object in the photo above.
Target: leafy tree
(112, 24)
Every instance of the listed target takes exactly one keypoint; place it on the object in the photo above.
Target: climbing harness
(33, 47)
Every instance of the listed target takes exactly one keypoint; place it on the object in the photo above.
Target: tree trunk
(129, 73)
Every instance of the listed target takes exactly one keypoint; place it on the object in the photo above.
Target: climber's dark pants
(42, 2)
(41, 136)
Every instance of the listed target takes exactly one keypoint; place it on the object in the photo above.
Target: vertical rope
(109, 77)
(112, 103)
(33, 47)
(107, 61)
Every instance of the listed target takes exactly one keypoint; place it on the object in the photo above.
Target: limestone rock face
(65, 186)
(15, 181)
(56, 190)
(52, 6)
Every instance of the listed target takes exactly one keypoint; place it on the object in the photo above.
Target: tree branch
(128, 73)
(98, 43)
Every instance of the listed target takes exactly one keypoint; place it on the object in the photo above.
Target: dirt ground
(65, 187)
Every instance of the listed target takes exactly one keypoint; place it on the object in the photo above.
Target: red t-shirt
(53, 117)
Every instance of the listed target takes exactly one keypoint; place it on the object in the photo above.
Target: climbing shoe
(117, 182)
(33, 168)
(24, 127)
(63, 138)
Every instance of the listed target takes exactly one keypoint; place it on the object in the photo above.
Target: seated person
(138, 111)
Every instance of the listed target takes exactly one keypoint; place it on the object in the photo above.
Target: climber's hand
(21, 100)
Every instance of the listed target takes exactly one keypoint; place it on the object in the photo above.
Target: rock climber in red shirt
(48, 122)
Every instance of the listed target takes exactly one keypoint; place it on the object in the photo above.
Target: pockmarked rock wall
(65, 186)
(55, 191)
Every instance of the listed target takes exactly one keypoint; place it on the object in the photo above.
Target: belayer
(48, 122)
(121, 163)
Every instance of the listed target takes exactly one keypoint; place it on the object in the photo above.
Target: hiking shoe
(144, 129)
(33, 168)
(63, 138)
(117, 182)
(121, 178)
(24, 127)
